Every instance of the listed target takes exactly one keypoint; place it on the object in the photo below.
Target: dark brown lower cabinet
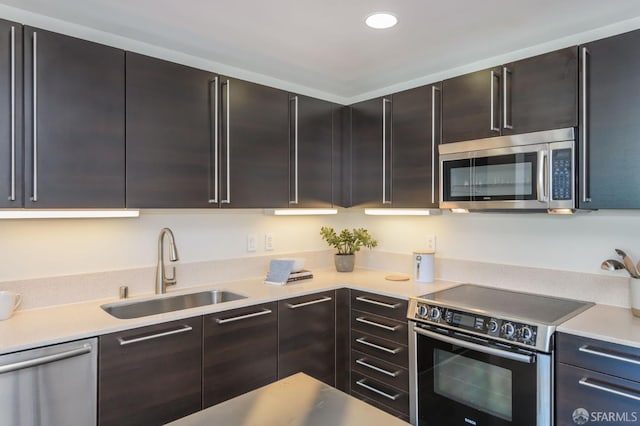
(150, 375)
(306, 336)
(240, 351)
(379, 352)
(596, 382)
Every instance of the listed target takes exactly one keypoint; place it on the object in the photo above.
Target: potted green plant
(347, 243)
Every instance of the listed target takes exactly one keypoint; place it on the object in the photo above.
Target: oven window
(474, 383)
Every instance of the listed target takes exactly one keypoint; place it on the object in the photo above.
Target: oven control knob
(493, 326)
(508, 329)
(435, 313)
(526, 333)
(423, 311)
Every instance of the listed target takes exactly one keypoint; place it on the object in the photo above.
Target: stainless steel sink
(142, 308)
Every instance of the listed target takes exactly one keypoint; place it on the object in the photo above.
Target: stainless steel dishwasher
(50, 386)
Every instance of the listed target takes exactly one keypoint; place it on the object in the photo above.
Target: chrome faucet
(162, 280)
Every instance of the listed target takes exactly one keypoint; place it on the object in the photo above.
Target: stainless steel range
(483, 356)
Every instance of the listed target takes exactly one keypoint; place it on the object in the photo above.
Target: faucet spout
(162, 279)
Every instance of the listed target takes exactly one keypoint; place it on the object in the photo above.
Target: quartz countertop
(297, 400)
(609, 323)
(28, 329)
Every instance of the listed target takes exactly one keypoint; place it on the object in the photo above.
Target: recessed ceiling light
(381, 20)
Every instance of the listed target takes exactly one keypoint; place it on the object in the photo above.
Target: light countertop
(32, 328)
(293, 401)
(609, 323)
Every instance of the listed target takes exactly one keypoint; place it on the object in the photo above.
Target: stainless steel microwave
(527, 172)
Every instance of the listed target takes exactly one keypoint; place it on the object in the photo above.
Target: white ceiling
(324, 44)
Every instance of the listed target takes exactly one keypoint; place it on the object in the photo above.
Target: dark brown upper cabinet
(170, 135)
(415, 137)
(394, 149)
(254, 145)
(534, 94)
(311, 148)
(609, 145)
(74, 98)
(11, 142)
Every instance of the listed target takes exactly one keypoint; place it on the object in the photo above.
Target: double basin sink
(160, 305)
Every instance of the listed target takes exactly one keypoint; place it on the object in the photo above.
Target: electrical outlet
(431, 242)
(251, 242)
(268, 241)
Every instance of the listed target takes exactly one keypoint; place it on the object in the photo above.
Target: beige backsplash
(42, 292)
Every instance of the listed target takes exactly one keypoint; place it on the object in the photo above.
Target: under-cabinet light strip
(401, 212)
(66, 214)
(299, 212)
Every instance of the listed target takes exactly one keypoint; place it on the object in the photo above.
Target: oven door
(461, 382)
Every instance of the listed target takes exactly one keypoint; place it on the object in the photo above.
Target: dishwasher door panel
(51, 386)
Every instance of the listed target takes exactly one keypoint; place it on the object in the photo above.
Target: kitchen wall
(41, 248)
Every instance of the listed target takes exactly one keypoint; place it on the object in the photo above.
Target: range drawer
(385, 350)
(381, 371)
(385, 306)
(380, 326)
(600, 396)
(608, 358)
(380, 392)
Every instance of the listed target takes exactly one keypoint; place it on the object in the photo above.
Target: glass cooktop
(494, 301)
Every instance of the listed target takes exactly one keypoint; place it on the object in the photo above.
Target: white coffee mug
(9, 302)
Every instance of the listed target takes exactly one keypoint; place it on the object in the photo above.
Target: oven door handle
(528, 359)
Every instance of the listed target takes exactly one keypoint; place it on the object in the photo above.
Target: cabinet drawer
(377, 325)
(385, 306)
(385, 350)
(382, 407)
(599, 394)
(380, 392)
(608, 358)
(240, 351)
(381, 371)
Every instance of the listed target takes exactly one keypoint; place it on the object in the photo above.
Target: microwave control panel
(561, 174)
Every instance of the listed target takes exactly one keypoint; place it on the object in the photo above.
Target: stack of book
(300, 275)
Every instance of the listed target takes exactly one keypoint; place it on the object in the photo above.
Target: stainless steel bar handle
(377, 303)
(378, 391)
(492, 125)
(604, 354)
(505, 99)
(313, 302)
(364, 341)
(295, 147)
(609, 389)
(527, 359)
(12, 194)
(384, 151)
(183, 329)
(227, 200)
(541, 180)
(242, 317)
(364, 363)
(8, 368)
(34, 195)
(377, 324)
(586, 198)
(214, 200)
(433, 142)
